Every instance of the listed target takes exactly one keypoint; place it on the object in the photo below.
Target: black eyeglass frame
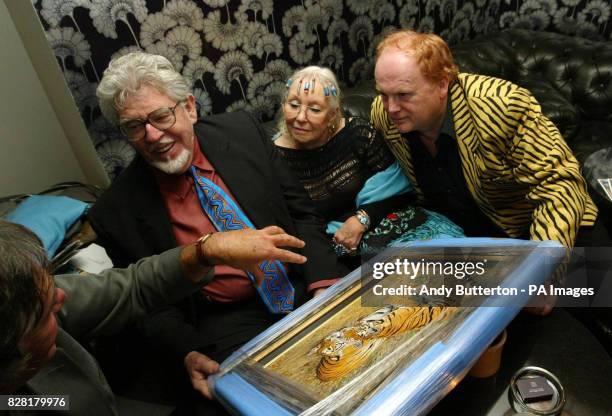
(146, 121)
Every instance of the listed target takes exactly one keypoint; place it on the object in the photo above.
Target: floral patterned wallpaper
(238, 53)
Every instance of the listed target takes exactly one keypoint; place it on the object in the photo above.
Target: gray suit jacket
(101, 305)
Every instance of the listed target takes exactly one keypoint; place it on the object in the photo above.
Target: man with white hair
(163, 199)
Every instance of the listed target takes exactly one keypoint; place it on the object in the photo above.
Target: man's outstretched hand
(245, 249)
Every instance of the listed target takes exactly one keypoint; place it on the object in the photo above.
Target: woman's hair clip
(326, 91)
(333, 90)
(289, 82)
(306, 86)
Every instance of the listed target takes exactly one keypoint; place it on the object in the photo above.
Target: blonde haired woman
(348, 171)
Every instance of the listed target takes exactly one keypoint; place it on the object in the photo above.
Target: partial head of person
(312, 111)
(413, 74)
(29, 302)
(154, 108)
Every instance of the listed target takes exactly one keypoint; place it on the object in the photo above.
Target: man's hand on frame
(199, 367)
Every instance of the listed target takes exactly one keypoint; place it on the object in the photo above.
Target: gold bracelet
(199, 244)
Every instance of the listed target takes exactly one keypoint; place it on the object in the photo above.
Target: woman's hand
(349, 235)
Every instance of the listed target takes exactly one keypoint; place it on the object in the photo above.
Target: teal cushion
(49, 217)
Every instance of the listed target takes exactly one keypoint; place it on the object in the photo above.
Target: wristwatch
(363, 218)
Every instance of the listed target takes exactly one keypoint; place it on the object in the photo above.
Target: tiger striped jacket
(517, 166)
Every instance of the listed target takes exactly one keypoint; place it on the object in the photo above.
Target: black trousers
(230, 325)
(595, 236)
(593, 253)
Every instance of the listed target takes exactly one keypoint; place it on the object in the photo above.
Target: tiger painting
(350, 347)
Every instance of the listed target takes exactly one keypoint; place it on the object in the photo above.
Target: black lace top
(334, 173)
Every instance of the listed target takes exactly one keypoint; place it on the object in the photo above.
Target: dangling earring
(332, 128)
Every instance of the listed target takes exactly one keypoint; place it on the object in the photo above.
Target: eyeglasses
(162, 119)
(312, 113)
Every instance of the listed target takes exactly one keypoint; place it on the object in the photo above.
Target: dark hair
(23, 266)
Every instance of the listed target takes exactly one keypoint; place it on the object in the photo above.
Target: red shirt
(189, 222)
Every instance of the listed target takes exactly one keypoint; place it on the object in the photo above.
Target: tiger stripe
(517, 166)
(350, 347)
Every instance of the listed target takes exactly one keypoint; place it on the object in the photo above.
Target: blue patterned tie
(276, 290)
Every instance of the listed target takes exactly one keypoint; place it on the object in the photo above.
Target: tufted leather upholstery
(572, 80)
(570, 77)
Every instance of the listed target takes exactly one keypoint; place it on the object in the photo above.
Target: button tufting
(570, 77)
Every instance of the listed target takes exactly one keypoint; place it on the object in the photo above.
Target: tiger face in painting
(350, 347)
(342, 353)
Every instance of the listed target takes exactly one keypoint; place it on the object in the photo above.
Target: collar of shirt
(448, 126)
(180, 185)
(445, 142)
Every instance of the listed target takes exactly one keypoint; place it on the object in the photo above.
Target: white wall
(43, 140)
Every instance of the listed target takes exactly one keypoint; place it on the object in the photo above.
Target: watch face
(363, 220)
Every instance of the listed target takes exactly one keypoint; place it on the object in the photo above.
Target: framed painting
(397, 334)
